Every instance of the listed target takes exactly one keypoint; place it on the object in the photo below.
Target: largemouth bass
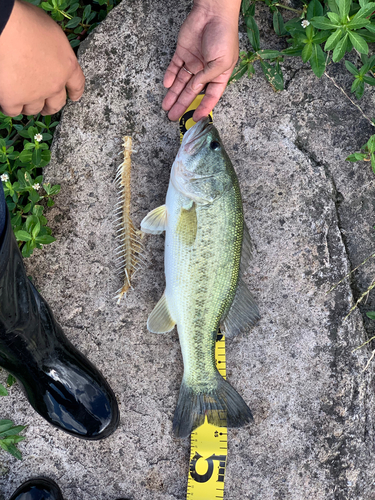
(207, 248)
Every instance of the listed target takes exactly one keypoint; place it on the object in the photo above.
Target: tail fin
(223, 406)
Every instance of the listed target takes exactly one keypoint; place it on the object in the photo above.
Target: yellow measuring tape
(208, 452)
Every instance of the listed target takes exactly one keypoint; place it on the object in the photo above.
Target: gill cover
(200, 171)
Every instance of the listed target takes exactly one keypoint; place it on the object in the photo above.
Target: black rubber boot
(59, 382)
(39, 488)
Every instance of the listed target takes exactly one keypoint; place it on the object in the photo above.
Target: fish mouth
(192, 140)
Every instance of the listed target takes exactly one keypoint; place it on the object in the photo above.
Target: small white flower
(38, 137)
(36, 186)
(305, 23)
(4, 177)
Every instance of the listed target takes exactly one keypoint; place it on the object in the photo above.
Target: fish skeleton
(207, 249)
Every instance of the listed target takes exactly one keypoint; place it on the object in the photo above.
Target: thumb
(212, 70)
(76, 84)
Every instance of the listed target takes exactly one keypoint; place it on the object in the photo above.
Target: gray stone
(310, 215)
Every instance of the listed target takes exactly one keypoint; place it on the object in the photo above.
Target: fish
(207, 251)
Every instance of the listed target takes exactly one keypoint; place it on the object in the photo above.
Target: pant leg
(3, 208)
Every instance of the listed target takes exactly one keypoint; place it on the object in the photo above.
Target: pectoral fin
(243, 312)
(160, 320)
(155, 222)
(187, 225)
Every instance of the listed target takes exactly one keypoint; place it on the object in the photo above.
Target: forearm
(6, 7)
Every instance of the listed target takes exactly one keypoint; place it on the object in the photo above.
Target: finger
(210, 72)
(171, 72)
(76, 84)
(11, 111)
(33, 108)
(182, 78)
(213, 93)
(53, 104)
(182, 103)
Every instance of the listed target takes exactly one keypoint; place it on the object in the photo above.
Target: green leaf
(369, 80)
(356, 24)
(22, 235)
(10, 448)
(36, 230)
(34, 196)
(74, 43)
(350, 67)
(318, 60)
(360, 89)
(272, 76)
(11, 380)
(73, 23)
(358, 42)
(307, 52)
(365, 11)
(237, 74)
(321, 36)
(45, 239)
(292, 51)
(86, 12)
(335, 18)
(344, 8)
(314, 9)
(269, 54)
(278, 23)
(25, 156)
(3, 391)
(373, 162)
(38, 210)
(5, 425)
(37, 156)
(47, 137)
(333, 6)
(323, 23)
(355, 84)
(371, 314)
(356, 157)
(253, 33)
(371, 144)
(340, 49)
(334, 39)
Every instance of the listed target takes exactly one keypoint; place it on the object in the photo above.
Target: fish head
(201, 170)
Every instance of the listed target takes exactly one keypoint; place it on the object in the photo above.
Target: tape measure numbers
(208, 452)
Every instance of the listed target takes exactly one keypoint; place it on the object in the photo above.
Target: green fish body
(207, 246)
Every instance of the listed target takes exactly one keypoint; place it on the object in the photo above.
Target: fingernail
(197, 86)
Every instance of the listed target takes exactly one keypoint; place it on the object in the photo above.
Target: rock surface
(310, 215)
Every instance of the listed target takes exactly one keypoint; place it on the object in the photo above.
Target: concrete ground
(310, 215)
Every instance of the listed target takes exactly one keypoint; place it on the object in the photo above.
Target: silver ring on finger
(187, 71)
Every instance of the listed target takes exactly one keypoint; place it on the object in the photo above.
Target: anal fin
(160, 320)
(243, 312)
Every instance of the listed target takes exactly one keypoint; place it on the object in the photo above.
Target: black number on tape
(203, 478)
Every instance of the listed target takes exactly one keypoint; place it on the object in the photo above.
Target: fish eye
(215, 145)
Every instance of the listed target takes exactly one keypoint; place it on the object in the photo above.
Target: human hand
(37, 65)
(207, 47)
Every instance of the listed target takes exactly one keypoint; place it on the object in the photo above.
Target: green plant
(341, 25)
(9, 437)
(8, 431)
(75, 17)
(368, 155)
(21, 163)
